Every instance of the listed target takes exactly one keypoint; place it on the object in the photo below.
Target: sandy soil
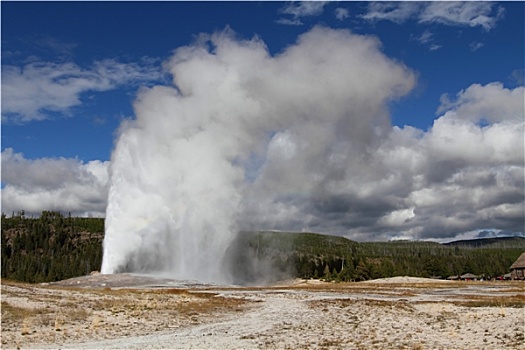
(130, 312)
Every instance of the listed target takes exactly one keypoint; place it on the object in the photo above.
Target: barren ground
(130, 312)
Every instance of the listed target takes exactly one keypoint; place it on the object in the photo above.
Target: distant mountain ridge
(516, 241)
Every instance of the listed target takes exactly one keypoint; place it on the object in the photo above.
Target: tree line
(311, 255)
(54, 247)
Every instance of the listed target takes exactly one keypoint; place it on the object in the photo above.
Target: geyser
(238, 128)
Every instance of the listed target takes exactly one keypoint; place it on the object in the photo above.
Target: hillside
(493, 242)
(258, 255)
(51, 247)
(54, 247)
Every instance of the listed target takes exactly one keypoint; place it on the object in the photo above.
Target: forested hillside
(51, 247)
(54, 247)
(337, 258)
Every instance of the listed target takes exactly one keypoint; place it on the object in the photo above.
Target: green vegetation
(54, 247)
(310, 255)
(51, 247)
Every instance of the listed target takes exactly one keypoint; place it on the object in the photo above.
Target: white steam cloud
(303, 141)
(237, 124)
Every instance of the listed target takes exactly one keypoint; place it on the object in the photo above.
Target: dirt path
(255, 328)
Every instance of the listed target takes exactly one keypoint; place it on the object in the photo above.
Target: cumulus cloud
(66, 185)
(303, 142)
(452, 13)
(299, 10)
(491, 103)
(179, 185)
(464, 174)
(32, 91)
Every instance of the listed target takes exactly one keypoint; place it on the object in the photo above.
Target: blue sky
(85, 32)
(71, 73)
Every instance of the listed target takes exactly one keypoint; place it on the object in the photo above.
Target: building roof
(469, 275)
(519, 263)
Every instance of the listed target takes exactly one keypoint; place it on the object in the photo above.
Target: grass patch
(173, 301)
(353, 303)
(16, 313)
(515, 300)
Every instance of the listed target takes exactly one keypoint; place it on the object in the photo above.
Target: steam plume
(236, 124)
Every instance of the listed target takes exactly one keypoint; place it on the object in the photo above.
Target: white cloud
(475, 46)
(465, 13)
(517, 76)
(299, 10)
(290, 22)
(32, 91)
(303, 142)
(492, 102)
(397, 218)
(304, 8)
(465, 175)
(295, 122)
(397, 12)
(341, 13)
(427, 38)
(66, 185)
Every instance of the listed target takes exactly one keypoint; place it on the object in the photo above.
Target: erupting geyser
(239, 128)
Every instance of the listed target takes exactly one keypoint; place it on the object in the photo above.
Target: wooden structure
(468, 277)
(517, 270)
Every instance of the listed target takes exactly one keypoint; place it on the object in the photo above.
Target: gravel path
(250, 330)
